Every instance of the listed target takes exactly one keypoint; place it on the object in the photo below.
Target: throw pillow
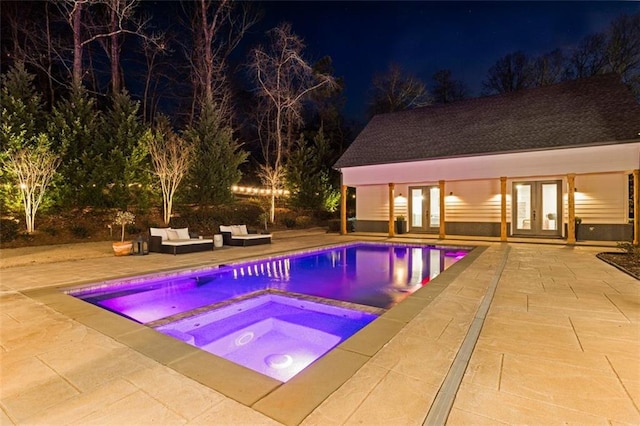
(243, 230)
(183, 233)
(173, 234)
(160, 232)
(235, 230)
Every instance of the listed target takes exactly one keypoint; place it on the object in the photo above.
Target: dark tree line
(106, 83)
(616, 50)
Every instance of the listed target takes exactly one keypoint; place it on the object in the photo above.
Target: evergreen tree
(218, 157)
(73, 129)
(309, 177)
(21, 105)
(120, 156)
(21, 123)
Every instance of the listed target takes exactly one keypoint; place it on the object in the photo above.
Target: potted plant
(401, 224)
(122, 247)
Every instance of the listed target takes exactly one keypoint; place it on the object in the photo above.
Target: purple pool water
(232, 311)
(274, 335)
(378, 275)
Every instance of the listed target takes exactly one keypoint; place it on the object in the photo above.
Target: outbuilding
(541, 163)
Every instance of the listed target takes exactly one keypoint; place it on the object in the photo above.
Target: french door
(537, 208)
(424, 209)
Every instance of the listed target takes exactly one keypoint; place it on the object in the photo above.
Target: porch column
(343, 210)
(442, 212)
(571, 226)
(636, 206)
(503, 208)
(392, 231)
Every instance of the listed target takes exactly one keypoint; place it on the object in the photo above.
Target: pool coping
(289, 402)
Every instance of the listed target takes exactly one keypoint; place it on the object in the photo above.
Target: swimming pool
(348, 284)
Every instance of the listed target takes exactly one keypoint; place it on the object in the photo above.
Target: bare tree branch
(284, 80)
(172, 157)
(33, 168)
(396, 90)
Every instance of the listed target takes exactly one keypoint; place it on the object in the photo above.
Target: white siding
(602, 198)
(372, 202)
(473, 201)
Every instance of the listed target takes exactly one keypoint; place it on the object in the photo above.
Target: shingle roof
(592, 111)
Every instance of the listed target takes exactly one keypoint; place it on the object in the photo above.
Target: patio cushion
(187, 242)
(252, 237)
(160, 232)
(183, 233)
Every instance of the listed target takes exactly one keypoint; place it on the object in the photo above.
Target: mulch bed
(623, 261)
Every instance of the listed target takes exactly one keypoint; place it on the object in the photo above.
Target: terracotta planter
(122, 248)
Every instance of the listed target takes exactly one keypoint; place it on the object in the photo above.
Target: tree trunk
(77, 45)
(115, 48)
(168, 203)
(272, 212)
(49, 57)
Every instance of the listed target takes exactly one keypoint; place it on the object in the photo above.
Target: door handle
(534, 215)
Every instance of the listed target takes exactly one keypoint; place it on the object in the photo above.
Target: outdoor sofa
(238, 235)
(177, 241)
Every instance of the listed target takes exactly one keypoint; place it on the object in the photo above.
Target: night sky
(363, 37)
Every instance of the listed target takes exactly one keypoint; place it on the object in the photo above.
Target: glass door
(537, 208)
(424, 209)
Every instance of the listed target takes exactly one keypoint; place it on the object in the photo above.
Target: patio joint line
(622, 384)
(443, 402)
(617, 308)
(575, 333)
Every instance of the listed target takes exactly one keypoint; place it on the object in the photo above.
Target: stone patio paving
(560, 343)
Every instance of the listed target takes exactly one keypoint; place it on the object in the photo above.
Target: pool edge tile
(373, 337)
(156, 345)
(291, 403)
(230, 379)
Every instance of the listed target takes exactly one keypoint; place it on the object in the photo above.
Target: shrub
(132, 229)
(334, 225)
(8, 230)
(50, 230)
(206, 221)
(630, 249)
(30, 238)
(303, 221)
(322, 217)
(289, 222)
(80, 231)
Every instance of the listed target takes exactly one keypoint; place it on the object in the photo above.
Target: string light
(250, 190)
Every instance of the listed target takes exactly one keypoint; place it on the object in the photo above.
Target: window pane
(550, 206)
(523, 198)
(434, 208)
(416, 208)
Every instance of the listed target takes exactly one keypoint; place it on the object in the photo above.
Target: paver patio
(560, 343)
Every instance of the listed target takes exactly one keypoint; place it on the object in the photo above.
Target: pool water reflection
(378, 275)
